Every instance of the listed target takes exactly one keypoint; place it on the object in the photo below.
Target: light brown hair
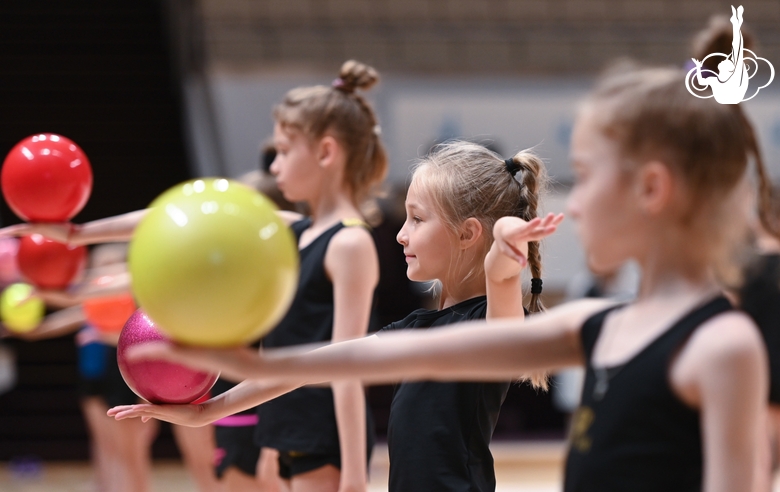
(338, 110)
(651, 116)
(463, 179)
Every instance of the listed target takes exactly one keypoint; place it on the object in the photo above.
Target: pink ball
(158, 381)
(9, 270)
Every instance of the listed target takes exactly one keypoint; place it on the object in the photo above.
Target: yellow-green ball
(18, 311)
(212, 264)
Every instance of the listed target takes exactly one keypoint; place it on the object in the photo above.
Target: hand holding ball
(157, 381)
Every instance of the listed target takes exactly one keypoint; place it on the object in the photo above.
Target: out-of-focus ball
(9, 269)
(49, 264)
(46, 178)
(19, 311)
(212, 263)
(109, 313)
(157, 381)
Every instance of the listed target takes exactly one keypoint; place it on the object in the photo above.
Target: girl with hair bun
(330, 157)
(676, 381)
(471, 227)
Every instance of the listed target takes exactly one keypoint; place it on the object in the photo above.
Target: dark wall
(98, 72)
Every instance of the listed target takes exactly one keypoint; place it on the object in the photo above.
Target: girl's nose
(401, 237)
(274, 168)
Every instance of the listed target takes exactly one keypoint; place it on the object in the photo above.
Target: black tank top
(637, 436)
(760, 298)
(304, 420)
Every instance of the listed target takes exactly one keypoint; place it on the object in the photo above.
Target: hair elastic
(338, 83)
(536, 286)
(511, 166)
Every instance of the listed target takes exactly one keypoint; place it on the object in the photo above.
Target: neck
(674, 275)
(332, 206)
(453, 292)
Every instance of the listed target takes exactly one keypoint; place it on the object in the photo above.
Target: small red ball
(157, 381)
(46, 178)
(49, 264)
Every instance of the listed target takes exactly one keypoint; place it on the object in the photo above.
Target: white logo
(730, 84)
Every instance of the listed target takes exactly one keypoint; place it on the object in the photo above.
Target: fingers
(536, 229)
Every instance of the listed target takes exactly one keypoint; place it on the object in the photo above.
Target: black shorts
(116, 390)
(236, 447)
(292, 463)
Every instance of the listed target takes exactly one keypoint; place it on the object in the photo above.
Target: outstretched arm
(57, 324)
(243, 396)
(118, 228)
(112, 229)
(474, 351)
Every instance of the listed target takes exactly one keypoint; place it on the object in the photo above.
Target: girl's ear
(655, 186)
(470, 233)
(328, 150)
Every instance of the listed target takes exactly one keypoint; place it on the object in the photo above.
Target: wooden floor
(520, 467)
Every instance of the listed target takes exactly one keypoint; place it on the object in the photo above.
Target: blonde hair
(339, 111)
(463, 180)
(650, 115)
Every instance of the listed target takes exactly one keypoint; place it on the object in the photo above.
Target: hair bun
(356, 75)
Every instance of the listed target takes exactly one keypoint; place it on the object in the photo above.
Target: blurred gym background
(156, 92)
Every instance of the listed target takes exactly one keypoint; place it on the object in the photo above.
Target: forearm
(243, 396)
(107, 285)
(473, 351)
(111, 229)
(350, 407)
(58, 324)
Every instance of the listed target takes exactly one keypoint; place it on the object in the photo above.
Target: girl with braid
(472, 228)
(676, 381)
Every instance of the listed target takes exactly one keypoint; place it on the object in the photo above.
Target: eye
(416, 219)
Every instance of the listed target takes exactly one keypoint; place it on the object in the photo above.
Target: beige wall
(466, 36)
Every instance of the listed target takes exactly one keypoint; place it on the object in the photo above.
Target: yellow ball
(212, 264)
(20, 312)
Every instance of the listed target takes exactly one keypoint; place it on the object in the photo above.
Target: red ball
(46, 178)
(157, 381)
(49, 264)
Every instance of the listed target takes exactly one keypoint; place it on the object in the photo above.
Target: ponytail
(766, 207)
(532, 179)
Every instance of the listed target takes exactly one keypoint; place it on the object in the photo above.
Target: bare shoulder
(724, 356)
(352, 241)
(728, 336)
(351, 249)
